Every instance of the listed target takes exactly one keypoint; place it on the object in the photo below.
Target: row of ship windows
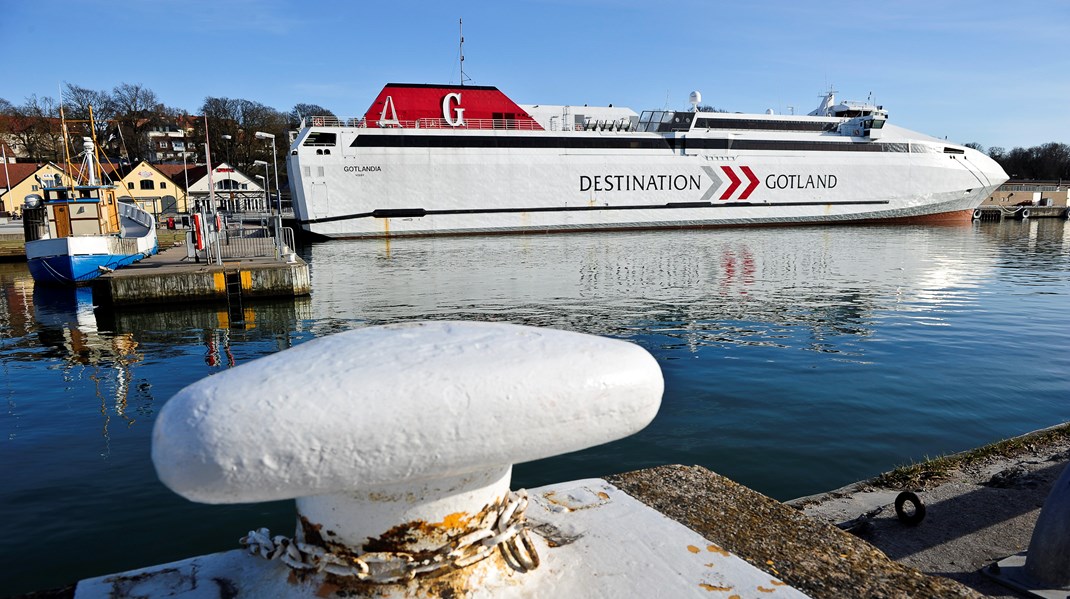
(428, 141)
(762, 125)
(324, 138)
(486, 141)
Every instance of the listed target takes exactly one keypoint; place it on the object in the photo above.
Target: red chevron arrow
(753, 182)
(735, 182)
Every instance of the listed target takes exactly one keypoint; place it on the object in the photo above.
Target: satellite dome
(695, 99)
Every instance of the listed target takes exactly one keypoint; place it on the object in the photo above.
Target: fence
(253, 242)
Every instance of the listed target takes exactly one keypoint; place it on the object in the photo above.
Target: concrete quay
(971, 521)
(981, 506)
(666, 531)
(595, 539)
(170, 277)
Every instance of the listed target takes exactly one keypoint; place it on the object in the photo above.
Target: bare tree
(138, 112)
(1050, 161)
(241, 119)
(77, 102)
(35, 127)
(301, 111)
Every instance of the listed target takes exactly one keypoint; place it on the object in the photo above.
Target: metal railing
(287, 240)
(501, 124)
(253, 242)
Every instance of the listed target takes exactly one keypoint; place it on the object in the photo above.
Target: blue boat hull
(72, 270)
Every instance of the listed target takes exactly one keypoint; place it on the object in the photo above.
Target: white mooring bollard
(397, 443)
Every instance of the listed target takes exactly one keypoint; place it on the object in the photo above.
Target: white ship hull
(385, 182)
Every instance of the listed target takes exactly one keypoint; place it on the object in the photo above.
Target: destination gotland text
(689, 182)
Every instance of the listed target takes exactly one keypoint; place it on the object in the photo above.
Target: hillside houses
(161, 189)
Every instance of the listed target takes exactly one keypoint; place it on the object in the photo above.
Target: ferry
(79, 229)
(451, 159)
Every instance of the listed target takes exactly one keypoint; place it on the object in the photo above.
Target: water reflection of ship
(703, 287)
(67, 325)
(104, 346)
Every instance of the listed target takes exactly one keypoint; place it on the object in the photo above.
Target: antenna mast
(460, 32)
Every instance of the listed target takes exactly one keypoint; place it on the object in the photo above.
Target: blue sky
(992, 72)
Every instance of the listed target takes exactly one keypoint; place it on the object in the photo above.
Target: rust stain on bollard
(445, 558)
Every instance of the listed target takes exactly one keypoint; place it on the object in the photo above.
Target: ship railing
(507, 124)
(331, 121)
(427, 123)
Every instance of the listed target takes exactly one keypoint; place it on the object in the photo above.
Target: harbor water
(796, 360)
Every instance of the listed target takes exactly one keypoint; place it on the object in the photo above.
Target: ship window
(147, 184)
(130, 185)
(319, 171)
(321, 138)
(762, 124)
(163, 185)
(308, 171)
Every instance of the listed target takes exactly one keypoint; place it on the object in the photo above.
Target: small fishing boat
(79, 229)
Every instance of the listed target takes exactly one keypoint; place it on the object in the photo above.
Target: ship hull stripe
(418, 212)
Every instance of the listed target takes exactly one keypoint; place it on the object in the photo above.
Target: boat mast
(66, 148)
(95, 176)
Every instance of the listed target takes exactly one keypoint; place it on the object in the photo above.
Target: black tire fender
(919, 509)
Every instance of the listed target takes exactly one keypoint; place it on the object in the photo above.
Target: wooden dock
(171, 277)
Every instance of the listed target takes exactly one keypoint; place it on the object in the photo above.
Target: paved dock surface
(976, 513)
(171, 277)
(809, 554)
(173, 259)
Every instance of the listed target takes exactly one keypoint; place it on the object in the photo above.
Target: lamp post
(267, 182)
(275, 166)
(278, 196)
(230, 182)
(185, 173)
